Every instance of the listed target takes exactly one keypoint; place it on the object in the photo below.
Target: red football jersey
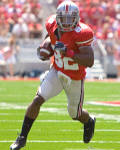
(82, 35)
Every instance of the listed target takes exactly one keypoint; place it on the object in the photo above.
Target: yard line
(38, 141)
(57, 121)
(68, 130)
(86, 149)
(50, 109)
(96, 130)
(6, 114)
(107, 116)
(103, 104)
(12, 121)
(6, 130)
(9, 106)
(61, 111)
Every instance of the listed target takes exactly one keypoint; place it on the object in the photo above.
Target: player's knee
(72, 112)
(38, 100)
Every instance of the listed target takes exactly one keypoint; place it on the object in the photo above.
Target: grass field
(54, 129)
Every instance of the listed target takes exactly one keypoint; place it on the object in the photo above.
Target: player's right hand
(59, 46)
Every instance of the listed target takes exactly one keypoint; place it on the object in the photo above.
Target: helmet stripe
(66, 8)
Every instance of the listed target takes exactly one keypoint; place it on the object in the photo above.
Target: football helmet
(67, 16)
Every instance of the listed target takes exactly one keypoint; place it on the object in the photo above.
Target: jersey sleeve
(85, 36)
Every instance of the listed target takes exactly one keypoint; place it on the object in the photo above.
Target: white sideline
(38, 141)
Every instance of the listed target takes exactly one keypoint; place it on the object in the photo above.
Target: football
(46, 50)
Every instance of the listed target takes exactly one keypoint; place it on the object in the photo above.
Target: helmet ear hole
(67, 16)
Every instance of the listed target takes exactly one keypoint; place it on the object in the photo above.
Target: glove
(59, 46)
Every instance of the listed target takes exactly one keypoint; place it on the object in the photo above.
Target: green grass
(55, 130)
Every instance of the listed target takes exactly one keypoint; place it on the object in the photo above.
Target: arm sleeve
(85, 37)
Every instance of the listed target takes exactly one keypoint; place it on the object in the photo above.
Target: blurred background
(22, 29)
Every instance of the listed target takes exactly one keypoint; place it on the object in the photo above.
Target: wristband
(70, 53)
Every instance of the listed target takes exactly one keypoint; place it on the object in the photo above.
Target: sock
(27, 124)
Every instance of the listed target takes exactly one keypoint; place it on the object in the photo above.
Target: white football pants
(55, 81)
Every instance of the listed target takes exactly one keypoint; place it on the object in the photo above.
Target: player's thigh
(50, 86)
(75, 96)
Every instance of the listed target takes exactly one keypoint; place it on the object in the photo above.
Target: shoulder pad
(84, 35)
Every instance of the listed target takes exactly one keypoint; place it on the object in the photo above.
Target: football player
(71, 41)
